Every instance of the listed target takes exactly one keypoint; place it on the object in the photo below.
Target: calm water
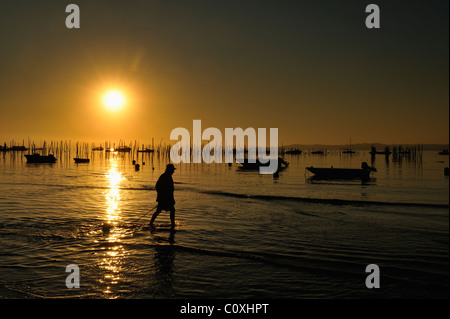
(239, 234)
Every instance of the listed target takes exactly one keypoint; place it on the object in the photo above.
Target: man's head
(170, 168)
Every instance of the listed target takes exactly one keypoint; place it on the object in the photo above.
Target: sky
(309, 68)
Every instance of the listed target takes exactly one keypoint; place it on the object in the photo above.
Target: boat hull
(246, 165)
(37, 158)
(81, 160)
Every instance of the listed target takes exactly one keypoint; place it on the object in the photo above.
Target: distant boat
(123, 149)
(349, 150)
(81, 160)
(38, 158)
(78, 159)
(18, 148)
(318, 152)
(444, 152)
(98, 148)
(246, 165)
(342, 173)
(293, 151)
(146, 150)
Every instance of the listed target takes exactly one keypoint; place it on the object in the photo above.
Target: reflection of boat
(38, 158)
(444, 152)
(81, 160)
(342, 173)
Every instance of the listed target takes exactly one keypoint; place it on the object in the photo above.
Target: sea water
(239, 234)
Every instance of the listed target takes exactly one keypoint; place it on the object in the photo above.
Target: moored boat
(342, 173)
(293, 151)
(348, 151)
(81, 160)
(123, 149)
(246, 165)
(38, 158)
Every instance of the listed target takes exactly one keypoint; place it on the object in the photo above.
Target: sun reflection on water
(113, 195)
(114, 250)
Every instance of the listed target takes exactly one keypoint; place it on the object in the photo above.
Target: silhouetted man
(165, 199)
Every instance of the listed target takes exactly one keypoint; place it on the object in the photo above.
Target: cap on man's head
(170, 167)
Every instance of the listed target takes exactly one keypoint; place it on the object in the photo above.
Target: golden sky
(310, 68)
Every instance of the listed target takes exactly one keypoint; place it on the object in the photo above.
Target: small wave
(322, 200)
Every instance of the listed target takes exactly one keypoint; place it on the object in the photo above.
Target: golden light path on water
(114, 250)
(113, 195)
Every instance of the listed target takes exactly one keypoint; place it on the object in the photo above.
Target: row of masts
(82, 149)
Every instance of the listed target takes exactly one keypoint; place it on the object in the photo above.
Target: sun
(114, 100)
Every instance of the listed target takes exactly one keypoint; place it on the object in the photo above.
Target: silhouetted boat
(146, 150)
(444, 152)
(38, 158)
(18, 148)
(342, 173)
(294, 151)
(123, 149)
(81, 160)
(246, 165)
(98, 148)
(349, 150)
(318, 152)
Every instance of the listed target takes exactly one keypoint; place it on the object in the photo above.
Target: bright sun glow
(114, 100)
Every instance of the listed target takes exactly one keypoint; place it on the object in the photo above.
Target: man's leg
(155, 214)
(172, 217)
